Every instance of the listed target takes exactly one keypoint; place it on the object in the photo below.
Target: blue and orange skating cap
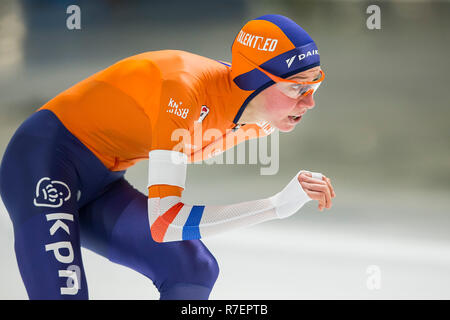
(276, 44)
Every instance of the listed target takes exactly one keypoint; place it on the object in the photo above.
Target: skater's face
(278, 107)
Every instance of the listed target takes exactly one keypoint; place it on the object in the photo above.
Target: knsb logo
(176, 109)
(203, 113)
(51, 193)
(301, 57)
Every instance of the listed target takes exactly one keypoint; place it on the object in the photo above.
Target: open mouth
(295, 118)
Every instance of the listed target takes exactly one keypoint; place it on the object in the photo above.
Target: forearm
(173, 220)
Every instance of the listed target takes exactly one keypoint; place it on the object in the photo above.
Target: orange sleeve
(177, 111)
(174, 122)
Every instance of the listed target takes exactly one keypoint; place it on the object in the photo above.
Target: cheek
(277, 104)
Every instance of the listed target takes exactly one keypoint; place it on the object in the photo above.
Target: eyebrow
(303, 77)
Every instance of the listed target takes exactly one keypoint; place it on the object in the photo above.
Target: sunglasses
(291, 88)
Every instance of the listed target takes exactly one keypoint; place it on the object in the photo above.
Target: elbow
(157, 229)
(160, 229)
(157, 234)
(158, 240)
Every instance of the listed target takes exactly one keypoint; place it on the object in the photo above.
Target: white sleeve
(289, 200)
(167, 167)
(172, 220)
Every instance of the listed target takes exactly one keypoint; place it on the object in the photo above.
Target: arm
(172, 220)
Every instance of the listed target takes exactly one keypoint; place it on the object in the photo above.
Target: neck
(251, 114)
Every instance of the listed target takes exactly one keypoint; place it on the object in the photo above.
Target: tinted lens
(295, 91)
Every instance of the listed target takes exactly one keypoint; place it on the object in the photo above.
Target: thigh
(116, 226)
(39, 188)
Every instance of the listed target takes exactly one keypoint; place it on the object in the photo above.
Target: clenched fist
(317, 189)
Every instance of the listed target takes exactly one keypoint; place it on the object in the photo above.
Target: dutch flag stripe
(191, 228)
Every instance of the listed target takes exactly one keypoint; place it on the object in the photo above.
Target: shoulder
(189, 76)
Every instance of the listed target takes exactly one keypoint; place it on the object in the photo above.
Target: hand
(316, 189)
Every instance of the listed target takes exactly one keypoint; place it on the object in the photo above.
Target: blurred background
(380, 130)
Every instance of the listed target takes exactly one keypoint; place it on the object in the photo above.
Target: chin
(285, 128)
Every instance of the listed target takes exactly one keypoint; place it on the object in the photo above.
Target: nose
(307, 101)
